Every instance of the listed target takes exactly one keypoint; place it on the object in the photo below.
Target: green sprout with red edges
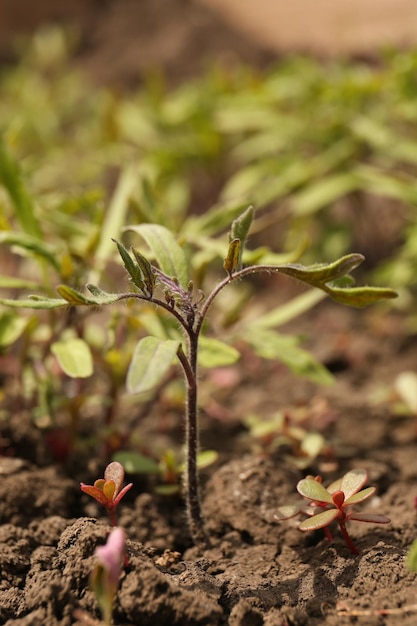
(108, 490)
(332, 504)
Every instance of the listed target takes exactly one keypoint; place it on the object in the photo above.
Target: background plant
(326, 505)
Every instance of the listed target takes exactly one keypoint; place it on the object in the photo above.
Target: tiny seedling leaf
(353, 481)
(132, 268)
(148, 275)
(151, 360)
(313, 490)
(232, 260)
(75, 298)
(168, 253)
(115, 472)
(360, 496)
(74, 356)
(241, 225)
(319, 521)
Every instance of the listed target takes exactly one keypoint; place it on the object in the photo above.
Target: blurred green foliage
(325, 152)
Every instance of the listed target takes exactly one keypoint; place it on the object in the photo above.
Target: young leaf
(75, 298)
(100, 296)
(359, 296)
(132, 268)
(239, 231)
(169, 255)
(323, 275)
(74, 356)
(232, 260)
(151, 360)
(360, 496)
(313, 490)
(241, 225)
(353, 481)
(148, 275)
(319, 521)
(115, 472)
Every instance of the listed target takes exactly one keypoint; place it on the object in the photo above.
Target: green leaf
(116, 214)
(75, 298)
(272, 345)
(148, 274)
(136, 463)
(34, 302)
(151, 360)
(215, 353)
(74, 356)
(319, 521)
(168, 253)
(324, 274)
(290, 310)
(353, 481)
(11, 328)
(232, 260)
(360, 296)
(11, 178)
(15, 282)
(360, 496)
(134, 271)
(32, 245)
(240, 230)
(322, 193)
(321, 273)
(313, 490)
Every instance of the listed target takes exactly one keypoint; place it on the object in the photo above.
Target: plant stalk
(191, 478)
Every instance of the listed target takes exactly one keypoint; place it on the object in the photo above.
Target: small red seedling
(332, 504)
(108, 490)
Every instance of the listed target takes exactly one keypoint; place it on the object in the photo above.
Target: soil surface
(258, 572)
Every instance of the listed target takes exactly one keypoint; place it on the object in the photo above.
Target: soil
(257, 572)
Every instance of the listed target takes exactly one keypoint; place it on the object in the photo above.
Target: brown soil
(258, 572)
